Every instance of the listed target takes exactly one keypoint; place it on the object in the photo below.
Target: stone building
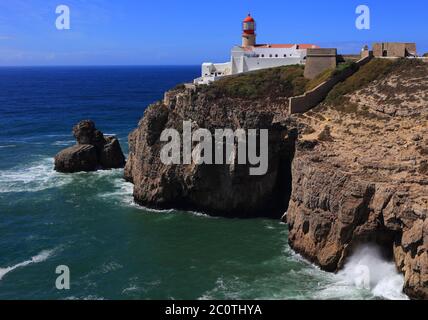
(251, 56)
(319, 60)
(394, 49)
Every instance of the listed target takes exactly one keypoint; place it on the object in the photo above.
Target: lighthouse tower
(248, 32)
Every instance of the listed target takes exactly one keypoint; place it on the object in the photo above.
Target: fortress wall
(253, 63)
(309, 100)
(393, 49)
(318, 60)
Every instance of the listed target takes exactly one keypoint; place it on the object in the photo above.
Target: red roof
(277, 46)
(248, 19)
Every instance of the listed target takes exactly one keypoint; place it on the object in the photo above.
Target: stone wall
(307, 101)
(394, 49)
(319, 60)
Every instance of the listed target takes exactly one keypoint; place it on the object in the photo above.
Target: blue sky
(164, 32)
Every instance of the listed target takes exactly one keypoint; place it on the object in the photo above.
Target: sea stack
(93, 151)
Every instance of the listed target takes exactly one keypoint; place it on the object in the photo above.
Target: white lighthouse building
(251, 56)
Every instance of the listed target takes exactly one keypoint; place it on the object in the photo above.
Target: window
(285, 55)
(276, 56)
(270, 56)
(263, 55)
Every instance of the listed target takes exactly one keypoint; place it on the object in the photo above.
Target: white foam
(42, 256)
(63, 143)
(32, 178)
(123, 193)
(366, 274)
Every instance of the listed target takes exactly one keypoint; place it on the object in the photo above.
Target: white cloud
(5, 37)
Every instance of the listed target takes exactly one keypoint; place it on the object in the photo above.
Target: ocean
(114, 248)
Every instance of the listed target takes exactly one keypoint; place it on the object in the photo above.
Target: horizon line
(98, 65)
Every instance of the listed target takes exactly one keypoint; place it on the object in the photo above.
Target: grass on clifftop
(277, 82)
(375, 69)
(327, 74)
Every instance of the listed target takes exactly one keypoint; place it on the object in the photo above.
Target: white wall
(243, 60)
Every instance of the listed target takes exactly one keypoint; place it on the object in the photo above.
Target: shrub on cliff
(373, 70)
(273, 83)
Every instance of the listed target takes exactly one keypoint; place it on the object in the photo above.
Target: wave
(63, 143)
(42, 256)
(123, 194)
(367, 275)
(32, 178)
(8, 146)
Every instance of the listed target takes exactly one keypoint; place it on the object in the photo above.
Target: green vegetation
(322, 77)
(343, 66)
(278, 82)
(327, 74)
(375, 69)
(425, 55)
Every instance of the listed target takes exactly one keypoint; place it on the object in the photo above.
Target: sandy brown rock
(93, 151)
(367, 183)
(111, 156)
(82, 157)
(226, 190)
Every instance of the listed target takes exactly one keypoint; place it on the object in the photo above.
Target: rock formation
(93, 151)
(226, 190)
(367, 183)
(356, 174)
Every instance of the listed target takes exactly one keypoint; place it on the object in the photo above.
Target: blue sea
(114, 248)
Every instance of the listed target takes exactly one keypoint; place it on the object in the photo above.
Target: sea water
(114, 248)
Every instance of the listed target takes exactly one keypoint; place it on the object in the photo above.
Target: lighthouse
(251, 56)
(248, 32)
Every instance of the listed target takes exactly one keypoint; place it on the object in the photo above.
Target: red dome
(249, 18)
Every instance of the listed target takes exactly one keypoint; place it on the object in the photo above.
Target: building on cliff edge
(251, 56)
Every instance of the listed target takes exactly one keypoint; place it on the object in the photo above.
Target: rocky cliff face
(226, 190)
(93, 151)
(360, 175)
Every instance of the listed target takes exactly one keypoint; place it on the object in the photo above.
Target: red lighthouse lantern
(248, 32)
(248, 25)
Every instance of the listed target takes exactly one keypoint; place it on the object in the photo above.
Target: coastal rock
(93, 151)
(111, 156)
(223, 189)
(82, 157)
(367, 189)
(350, 172)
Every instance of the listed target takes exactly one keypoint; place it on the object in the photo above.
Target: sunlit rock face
(92, 151)
(364, 180)
(228, 190)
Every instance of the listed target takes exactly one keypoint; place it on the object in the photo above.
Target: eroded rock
(93, 151)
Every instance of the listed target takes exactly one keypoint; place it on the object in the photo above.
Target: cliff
(360, 173)
(252, 101)
(351, 171)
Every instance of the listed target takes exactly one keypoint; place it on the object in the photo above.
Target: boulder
(111, 155)
(81, 157)
(93, 151)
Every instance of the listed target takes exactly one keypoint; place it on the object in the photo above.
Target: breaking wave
(42, 256)
(32, 178)
(123, 193)
(367, 275)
